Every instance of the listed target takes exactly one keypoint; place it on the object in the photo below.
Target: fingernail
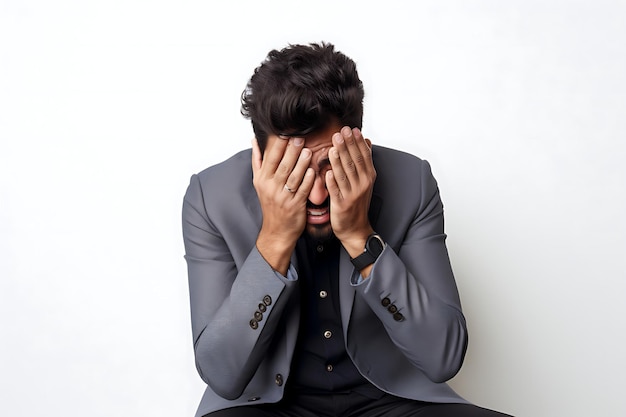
(346, 131)
(298, 141)
(306, 153)
(338, 138)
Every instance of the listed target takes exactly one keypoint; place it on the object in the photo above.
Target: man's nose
(318, 193)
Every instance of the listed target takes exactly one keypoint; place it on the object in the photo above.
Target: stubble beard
(319, 232)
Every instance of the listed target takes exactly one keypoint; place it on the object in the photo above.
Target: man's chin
(319, 232)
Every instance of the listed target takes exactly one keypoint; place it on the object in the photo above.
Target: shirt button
(328, 334)
(279, 380)
(323, 294)
(319, 248)
(329, 368)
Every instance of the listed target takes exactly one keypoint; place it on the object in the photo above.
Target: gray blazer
(245, 316)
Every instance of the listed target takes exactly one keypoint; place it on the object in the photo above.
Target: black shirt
(321, 363)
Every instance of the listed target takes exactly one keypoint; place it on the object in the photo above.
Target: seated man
(319, 277)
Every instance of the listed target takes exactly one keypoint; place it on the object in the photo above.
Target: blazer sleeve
(411, 287)
(235, 306)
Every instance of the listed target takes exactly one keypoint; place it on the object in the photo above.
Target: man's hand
(283, 182)
(350, 184)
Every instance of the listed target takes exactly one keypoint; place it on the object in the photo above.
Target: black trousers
(355, 405)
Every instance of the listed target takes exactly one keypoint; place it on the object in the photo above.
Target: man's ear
(257, 156)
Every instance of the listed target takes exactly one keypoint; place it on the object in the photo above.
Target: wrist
(276, 251)
(355, 244)
(373, 247)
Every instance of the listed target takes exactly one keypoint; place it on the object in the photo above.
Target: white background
(108, 107)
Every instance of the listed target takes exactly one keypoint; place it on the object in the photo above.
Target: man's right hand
(283, 182)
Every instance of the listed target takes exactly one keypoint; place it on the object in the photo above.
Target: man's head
(303, 89)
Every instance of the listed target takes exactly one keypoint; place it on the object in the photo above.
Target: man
(319, 278)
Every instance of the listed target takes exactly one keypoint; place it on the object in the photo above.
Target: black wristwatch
(373, 248)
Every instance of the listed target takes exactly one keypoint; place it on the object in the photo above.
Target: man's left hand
(350, 183)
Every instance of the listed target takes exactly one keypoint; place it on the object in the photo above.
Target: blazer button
(385, 302)
(279, 380)
(258, 316)
(267, 300)
(398, 317)
(393, 309)
(254, 324)
(262, 308)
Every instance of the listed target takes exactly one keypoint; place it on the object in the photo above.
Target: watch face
(375, 245)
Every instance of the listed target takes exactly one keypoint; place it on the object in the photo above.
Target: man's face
(318, 204)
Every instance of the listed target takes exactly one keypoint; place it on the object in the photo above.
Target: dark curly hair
(300, 90)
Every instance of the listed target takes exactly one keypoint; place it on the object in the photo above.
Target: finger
(289, 159)
(273, 155)
(296, 177)
(306, 185)
(343, 142)
(369, 144)
(333, 188)
(339, 174)
(365, 148)
(358, 149)
(363, 145)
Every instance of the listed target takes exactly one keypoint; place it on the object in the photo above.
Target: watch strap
(373, 248)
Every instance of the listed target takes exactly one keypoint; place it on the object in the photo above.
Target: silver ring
(286, 187)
